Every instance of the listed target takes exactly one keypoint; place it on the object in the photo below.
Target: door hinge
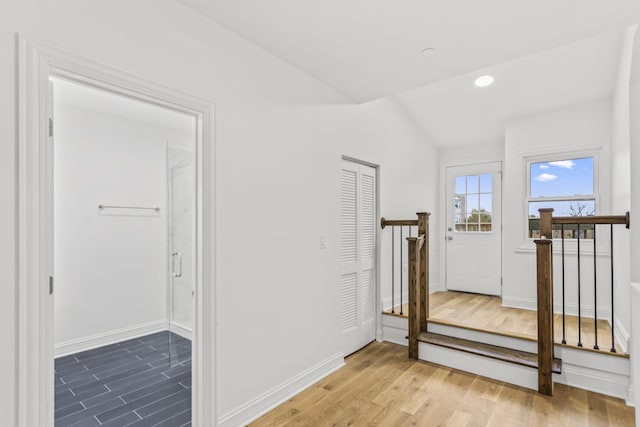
(50, 285)
(51, 127)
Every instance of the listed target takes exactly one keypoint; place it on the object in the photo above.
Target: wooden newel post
(546, 225)
(544, 263)
(414, 297)
(423, 230)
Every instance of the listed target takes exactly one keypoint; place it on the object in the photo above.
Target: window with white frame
(569, 186)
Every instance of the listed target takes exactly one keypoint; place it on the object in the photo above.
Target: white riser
(394, 329)
(479, 365)
(485, 337)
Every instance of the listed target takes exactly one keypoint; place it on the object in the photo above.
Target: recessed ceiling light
(484, 81)
(428, 51)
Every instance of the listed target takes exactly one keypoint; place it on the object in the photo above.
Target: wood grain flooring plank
(380, 386)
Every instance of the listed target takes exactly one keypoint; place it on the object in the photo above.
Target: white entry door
(474, 228)
(358, 256)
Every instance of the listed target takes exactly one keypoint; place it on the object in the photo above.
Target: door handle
(449, 238)
(173, 264)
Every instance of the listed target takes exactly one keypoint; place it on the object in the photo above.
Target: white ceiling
(369, 49)
(544, 54)
(455, 112)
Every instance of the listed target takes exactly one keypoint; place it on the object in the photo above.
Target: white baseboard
(435, 287)
(607, 383)
(631, 396)
(621, 334)
(262, 404)
(180, 329)
(571, 309)
(98, 340)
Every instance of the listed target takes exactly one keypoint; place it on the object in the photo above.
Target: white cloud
(543, 166)
(544, 177)
(567, 164)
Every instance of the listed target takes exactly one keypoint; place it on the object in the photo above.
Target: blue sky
(561, 178)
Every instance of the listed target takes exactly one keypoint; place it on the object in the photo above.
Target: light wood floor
(379, 386)
(486, 312)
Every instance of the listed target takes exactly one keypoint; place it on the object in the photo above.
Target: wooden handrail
(547, 220)
(600, 219)
(395, 222)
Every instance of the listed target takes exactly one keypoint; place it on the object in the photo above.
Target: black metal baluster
(613, 347)
(393, 269)
(401, 268)
(564, 327)
(579, 304)
(595, 291)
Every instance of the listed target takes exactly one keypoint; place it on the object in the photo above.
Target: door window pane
(473, 203)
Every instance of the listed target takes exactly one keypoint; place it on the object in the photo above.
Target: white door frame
(482, 160)
(37, 63)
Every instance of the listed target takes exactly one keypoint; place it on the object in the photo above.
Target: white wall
(565, 129)
(634, 231)
(110, 264)
(635, 161)
(621, 183)
(279, 138)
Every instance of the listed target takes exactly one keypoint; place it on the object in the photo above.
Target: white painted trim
(597, 149)
(395, 335)
(262, 404)
(435, 287)
(602, 382)
(635, 349)
(394, 329)
(106, 338)
(631, 396)
(34, 385)
(483, 160)
(571, 309)
(511, 373)
(621, 334)
(182, 330)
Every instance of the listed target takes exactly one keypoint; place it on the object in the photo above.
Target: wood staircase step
(487, 350)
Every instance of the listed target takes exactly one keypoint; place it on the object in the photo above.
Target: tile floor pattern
(130, 383)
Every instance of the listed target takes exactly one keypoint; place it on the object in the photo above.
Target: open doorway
(123, 233)
(37, 281)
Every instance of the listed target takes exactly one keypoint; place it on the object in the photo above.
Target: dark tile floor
(130, 383)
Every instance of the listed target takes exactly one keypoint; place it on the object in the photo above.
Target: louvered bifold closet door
(358, 255)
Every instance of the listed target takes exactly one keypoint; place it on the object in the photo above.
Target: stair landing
(485, 313)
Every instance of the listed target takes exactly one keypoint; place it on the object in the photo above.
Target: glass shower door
(181, 196)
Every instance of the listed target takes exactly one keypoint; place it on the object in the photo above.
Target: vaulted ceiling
(543, 53)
